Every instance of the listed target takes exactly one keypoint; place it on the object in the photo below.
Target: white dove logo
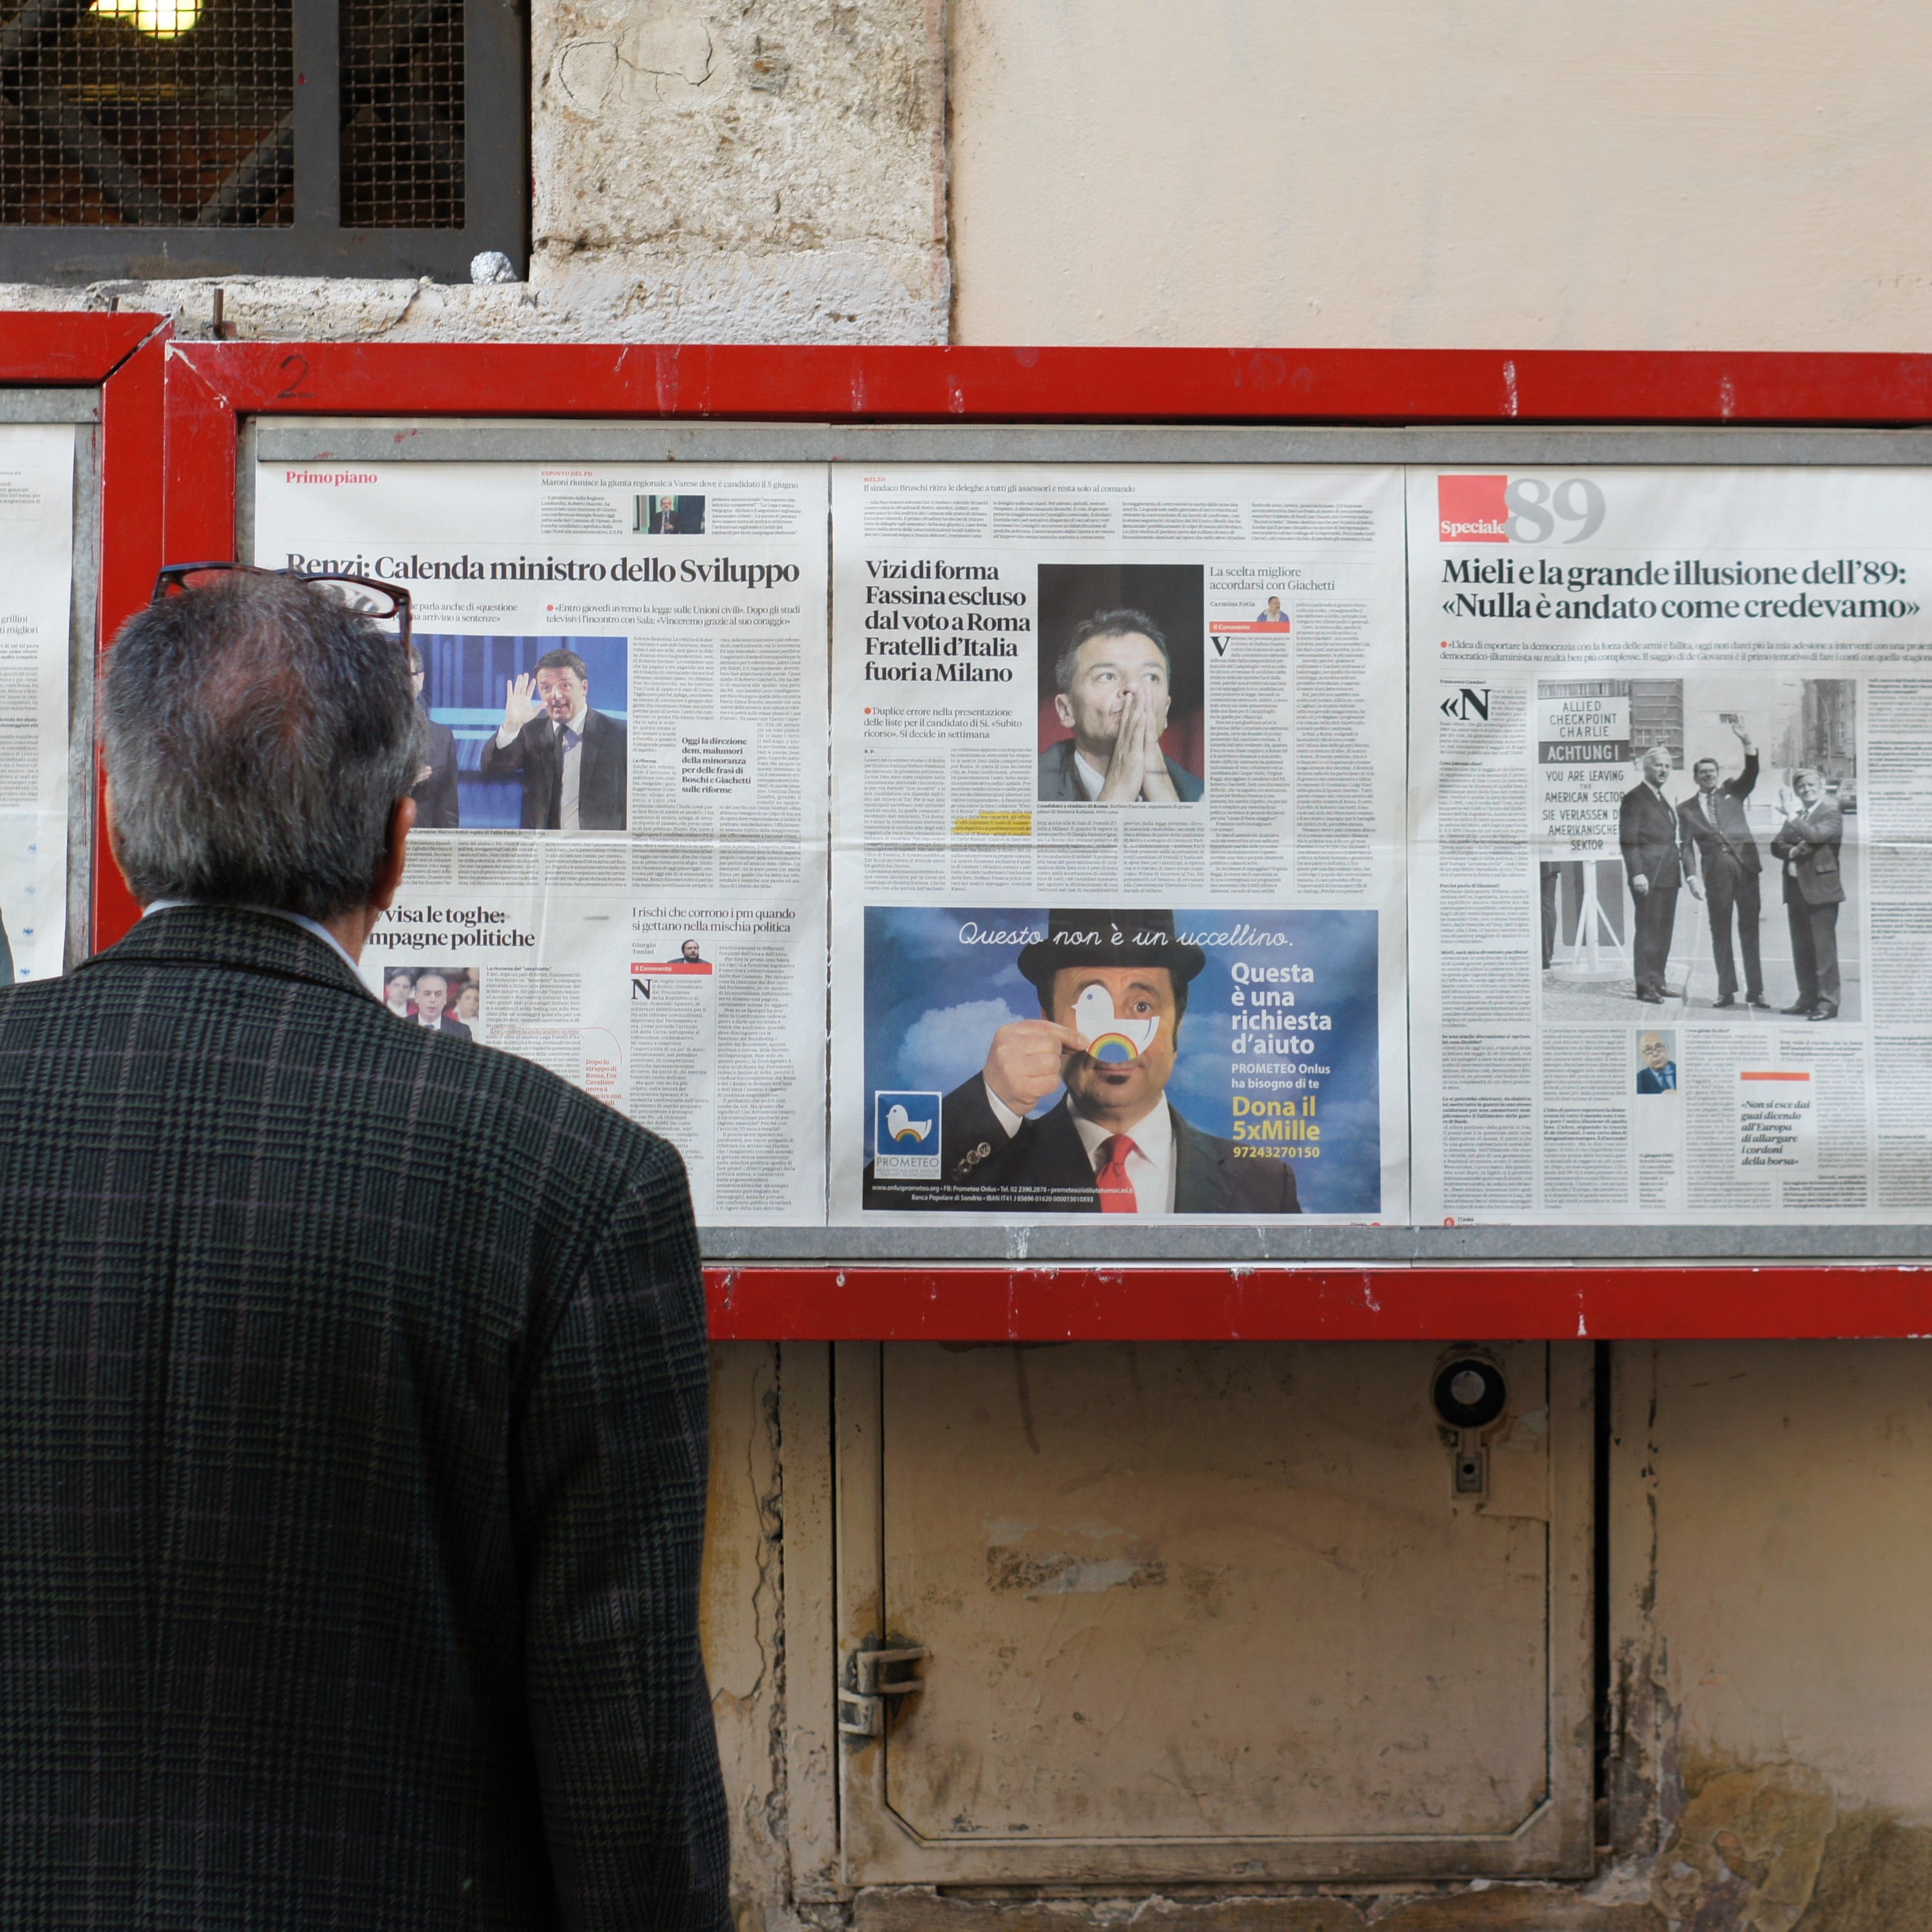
(1110, 1040)
(902, 1126)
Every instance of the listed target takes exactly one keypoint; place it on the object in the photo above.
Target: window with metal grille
(183, 137)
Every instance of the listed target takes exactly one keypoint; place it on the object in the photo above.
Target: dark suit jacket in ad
(1060, 782)
(1728, 843)
(352, 1466)
(436, 805)
(1809, 844)
(1648, 830)
(1044, 1169)
(603, 778)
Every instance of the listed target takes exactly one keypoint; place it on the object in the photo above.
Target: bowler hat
(1109, 939)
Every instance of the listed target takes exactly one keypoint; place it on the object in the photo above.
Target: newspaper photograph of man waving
(1120, 1063)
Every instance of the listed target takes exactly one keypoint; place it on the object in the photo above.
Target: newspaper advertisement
(36, 463)
(1116, 876)
(618, 867)
(1671, 864)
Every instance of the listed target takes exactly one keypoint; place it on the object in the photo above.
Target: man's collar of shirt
(315, 926)
(1153, 1135)
(573, 724)
(1091, 780)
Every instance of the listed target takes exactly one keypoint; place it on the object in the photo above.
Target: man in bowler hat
(1114, 1143)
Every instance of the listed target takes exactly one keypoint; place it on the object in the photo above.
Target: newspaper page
(1671, 756)
(37, 531)
(1116, 880)
(619, 869)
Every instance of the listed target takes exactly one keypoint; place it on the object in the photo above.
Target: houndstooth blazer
(352, 1462)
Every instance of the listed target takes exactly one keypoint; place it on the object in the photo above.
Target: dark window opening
(402, 114)
(160, 137)
(156, 113)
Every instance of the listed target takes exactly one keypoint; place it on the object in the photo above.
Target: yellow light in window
(160, 19)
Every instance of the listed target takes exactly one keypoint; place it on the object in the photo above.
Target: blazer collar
(1202, 1184)
(249, 942)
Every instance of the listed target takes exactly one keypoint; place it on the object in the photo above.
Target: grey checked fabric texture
(352, 1462)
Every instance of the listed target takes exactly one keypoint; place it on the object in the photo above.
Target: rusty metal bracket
(862, 1711)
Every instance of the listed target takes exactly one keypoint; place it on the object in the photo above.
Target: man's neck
(574, 722)
(1116, 1120)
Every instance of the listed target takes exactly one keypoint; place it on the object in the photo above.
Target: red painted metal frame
(1273, 1303)
(124, 356)
(211, 387)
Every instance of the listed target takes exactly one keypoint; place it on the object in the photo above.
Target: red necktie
(1117, 1191)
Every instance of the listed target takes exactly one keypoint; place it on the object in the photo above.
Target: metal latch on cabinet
(862, 1711)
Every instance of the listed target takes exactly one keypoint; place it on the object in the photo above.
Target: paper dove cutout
(1109, 1039)
(902, 1126)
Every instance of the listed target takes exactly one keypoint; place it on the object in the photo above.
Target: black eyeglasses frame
(174, 577)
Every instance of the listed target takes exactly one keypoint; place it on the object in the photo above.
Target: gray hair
(258, 735)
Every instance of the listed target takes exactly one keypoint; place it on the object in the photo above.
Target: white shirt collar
(1152, 1136)
(575, 723)
(321, 931)
(1150, 1165)
(1090, 780)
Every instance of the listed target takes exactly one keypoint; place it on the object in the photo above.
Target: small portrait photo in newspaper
(1121, 717)
(655, 516)
(443, 997)
(1656, 1061)
(523, 733)
(1697, 850)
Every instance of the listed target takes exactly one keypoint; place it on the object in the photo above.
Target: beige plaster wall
(1771, 1761)
(1643, 175)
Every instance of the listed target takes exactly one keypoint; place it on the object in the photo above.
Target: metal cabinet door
(1211, 1612)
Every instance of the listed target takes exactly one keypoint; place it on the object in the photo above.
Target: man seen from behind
(352, 1379)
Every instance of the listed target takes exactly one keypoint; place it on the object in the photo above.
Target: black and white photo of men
(1758, 770)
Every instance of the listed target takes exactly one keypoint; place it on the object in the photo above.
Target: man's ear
(107, 824)
(1062, 709)
(389, 876)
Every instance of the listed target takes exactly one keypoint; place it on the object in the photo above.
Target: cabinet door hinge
(862, 1710)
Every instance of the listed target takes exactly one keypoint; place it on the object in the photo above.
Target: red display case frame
(171, 475)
